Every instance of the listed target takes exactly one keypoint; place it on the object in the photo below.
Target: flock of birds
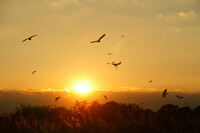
(164, 94)
(96, 41)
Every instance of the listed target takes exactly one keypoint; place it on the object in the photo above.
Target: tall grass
(110, 117)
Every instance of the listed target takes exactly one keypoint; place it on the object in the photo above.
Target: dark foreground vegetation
(110, 117)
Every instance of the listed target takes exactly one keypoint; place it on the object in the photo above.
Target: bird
(99, 40)
(57, 99)
(123, 36)
(105, 97)
(34, 72)
(29, 38)
(109, 53)
(179, 97)
(150, 81)
(115, 64)
(164, 93)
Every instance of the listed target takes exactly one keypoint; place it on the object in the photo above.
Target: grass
(110, 117)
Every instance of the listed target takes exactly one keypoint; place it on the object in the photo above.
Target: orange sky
(161, 44)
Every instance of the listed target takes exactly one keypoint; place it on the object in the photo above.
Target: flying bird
(115, 64)
(105, 97)
(150, 81)
(123, 36)
(99, 40)
(164, 93)
(57, 99)
(29, 38)
(34, 72)
(109, 53)
(179, 97)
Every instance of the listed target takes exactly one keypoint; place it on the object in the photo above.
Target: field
(110, 117)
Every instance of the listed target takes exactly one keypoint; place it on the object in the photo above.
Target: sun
(82, 88)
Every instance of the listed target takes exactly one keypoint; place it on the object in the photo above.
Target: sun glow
(82, 88)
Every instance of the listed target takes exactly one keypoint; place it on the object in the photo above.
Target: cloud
(58, 3)
(177, 16)
(137, 89)
(186, 14)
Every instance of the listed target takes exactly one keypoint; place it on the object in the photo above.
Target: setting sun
(82, 87)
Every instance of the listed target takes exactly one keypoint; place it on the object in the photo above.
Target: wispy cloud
(136, 89)
(177, 16)
(187, 14)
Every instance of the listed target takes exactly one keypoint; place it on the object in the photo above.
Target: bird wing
(33, 72)
(101, 37)
(93, 41)
(119, 63)
(24, 39)
(57, 98)
(33, 36)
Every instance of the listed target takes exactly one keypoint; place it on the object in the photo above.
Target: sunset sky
(161, 43)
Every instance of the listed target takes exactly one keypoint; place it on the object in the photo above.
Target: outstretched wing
(25, 40)
(105, 97)
(119, 63)
(33, 72)
(164, 93)
(57, 98)
(33, 36)
(101, 37)
(93, 41)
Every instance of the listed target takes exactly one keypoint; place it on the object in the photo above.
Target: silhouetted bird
(115, 64)
(150, 81)
(109, 53)
(34, 72)
(164, 93)
(179, 97)
(105, 97)
(99, 40)
(29, 38)
(57, 99)
(123, 36)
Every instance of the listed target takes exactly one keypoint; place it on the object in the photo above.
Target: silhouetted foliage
(110, 117)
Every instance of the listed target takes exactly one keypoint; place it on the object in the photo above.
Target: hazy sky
(10, 99)
(161, 44)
